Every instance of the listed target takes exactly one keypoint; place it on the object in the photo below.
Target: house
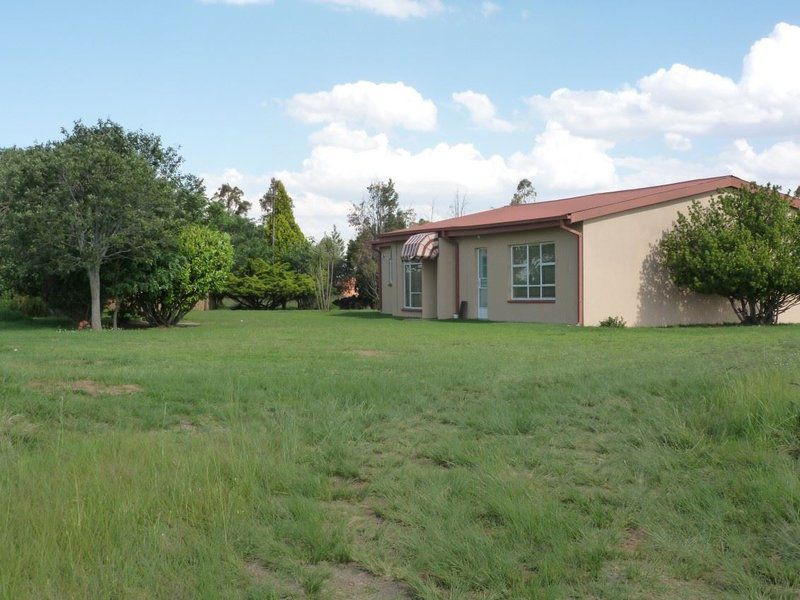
(576, 260)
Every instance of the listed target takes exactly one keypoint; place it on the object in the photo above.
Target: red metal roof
(576, 209)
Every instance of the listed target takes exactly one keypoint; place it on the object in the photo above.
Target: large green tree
(282, 231)
(247, 236)
(744, 246)
(377, 212)
(99, 194)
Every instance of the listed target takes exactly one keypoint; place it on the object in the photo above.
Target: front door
(483, 284)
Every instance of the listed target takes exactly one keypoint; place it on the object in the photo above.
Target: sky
(445, 97)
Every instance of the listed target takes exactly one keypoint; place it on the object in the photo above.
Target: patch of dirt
(87, 386)
(356, 484)
(349, 582)
(370, 353)
(262, 575)
(634, 537)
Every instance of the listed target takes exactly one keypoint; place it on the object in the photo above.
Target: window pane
(548, 253)
(520, 275)
(549, 274)
(416, 280)
(520, 292)
(520, 254)
(413, 285)
(533, 265)
(534, 274)
(548, 291)
(534, 292)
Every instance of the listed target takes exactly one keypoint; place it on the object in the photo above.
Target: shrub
(28, 306)
(263, 285)
(742, 246)
(613, 322)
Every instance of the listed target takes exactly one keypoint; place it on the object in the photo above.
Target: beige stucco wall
(623, 278)
(392, 292)
(565, 307)
(446, 279)
(429, 300)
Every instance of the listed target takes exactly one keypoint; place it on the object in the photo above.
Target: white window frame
(550, 287)
(408, 293)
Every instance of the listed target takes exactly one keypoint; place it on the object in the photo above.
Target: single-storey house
(576, 260)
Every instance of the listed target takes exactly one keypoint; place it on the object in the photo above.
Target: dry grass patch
(264, 576)
(87, 386)
(349, 582)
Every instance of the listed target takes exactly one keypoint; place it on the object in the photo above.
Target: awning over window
(422, 246)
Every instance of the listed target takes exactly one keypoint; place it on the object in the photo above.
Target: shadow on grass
(11, 321)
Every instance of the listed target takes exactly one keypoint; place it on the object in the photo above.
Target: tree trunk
(116, 315)
(94, 288)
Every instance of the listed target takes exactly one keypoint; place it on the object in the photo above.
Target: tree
(378, 212)
(98, 195)
(745, 246)
(459, 205)
(232, 198)
(176, 282)
(283, 232)
(525, 193)
(326, 268)
(265, 285)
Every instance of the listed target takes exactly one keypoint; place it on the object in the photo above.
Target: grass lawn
(295, 454)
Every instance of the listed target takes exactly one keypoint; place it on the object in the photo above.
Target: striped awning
(422, 246)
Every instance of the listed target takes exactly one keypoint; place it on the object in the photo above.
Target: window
(413, 280)
(390, 270)
(533, 272)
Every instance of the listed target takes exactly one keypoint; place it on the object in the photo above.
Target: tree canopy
(744, 246)
(377, 212)
(199, 264)
(97, 195)
(525, 193)
(282, 231)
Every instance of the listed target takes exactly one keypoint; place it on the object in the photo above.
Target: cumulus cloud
(676, 141)
(398, 9)
(365, 103)
(489, 8)
(482, 111)
(778, 163)
(560, 160)
(686, 100)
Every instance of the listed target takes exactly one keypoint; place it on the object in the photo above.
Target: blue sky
(440, 95)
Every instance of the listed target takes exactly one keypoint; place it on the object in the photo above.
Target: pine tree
(282, 231)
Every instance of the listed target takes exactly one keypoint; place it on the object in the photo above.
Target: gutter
(578, 235)
(458, 279)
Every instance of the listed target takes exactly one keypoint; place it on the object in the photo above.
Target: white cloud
(489, 8)
(364, 103)
(482, 111)
(678, 142)
(779, 163)
(686, 100)
(398, 9)
(343, 162)
(560, 160)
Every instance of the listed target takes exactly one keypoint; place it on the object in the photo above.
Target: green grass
(266, 451)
